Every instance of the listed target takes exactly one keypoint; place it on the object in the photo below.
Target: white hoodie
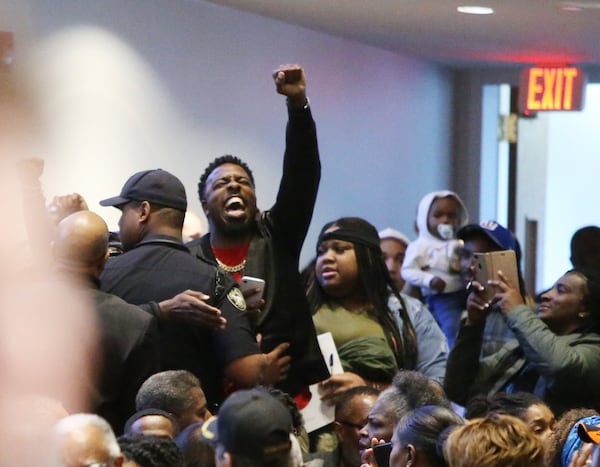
(429, 256)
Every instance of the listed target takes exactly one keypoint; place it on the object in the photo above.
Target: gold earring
(581, 315)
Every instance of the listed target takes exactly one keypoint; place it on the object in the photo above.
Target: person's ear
(144, 211)
(583, 314)
(411, 455)
(106, 256)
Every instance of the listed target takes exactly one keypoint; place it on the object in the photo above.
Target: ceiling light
(475, 10)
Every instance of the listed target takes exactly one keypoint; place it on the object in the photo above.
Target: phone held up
(256, 285)
(487, 266)
(382, 454)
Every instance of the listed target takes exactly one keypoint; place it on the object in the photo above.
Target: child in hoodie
(431, 262)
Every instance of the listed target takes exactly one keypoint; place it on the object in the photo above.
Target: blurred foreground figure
(38, 316)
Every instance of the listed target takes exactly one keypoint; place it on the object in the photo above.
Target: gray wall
(384, 120)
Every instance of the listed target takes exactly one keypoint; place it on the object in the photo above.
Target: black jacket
(274, 255)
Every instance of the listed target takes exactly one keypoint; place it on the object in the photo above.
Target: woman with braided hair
(376, 329)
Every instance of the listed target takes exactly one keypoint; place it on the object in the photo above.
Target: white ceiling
(520, 31)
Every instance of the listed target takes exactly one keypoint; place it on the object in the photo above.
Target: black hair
(151, 451)
(342, 404)
(377, 285)
(289, 403)
(514, 404)
(591, 297)
(411, 390)
(226, 159)
(423, 427)
(585, 247)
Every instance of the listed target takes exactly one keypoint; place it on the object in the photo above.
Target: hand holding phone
(382, 454)
(252, 288)
(487, 266)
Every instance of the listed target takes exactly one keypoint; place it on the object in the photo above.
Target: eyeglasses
(350, 424)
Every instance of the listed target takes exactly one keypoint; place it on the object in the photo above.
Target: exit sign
(551, 88)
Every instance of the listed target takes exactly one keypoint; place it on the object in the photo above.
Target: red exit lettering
(552, 89)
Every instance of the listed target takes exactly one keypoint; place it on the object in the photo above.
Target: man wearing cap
(157, 266)
(252, 429)
(246, 241)
(486, 237)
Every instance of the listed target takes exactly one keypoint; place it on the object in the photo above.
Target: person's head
(196, 452)
(177, 392)
(393, 246)
(564, 439)
(351, 412)
(81, 243)
(494, 441)
(573, 303)
(350, 270)
(252, 429)
(152, 422)
(150, 451)
(226, 191)
(409, 390)
(440, 214)
(486, 237)
(289, 403)
(151, 201)
(590, 433)
(524, 405)
(585, 247)
(86, 439)
(415, 439)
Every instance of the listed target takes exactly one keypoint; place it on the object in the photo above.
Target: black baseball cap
(251, 423)
(156, 186)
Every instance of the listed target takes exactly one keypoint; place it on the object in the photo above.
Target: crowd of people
(436, 371)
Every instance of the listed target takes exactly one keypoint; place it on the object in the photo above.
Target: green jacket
(569, 365)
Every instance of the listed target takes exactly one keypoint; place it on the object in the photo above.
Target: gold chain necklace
(236, 268)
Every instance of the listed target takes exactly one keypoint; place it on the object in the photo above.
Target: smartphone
(382, 454)
(487, 266)
(252, 283)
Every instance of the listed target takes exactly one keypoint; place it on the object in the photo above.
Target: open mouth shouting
(235, 207)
